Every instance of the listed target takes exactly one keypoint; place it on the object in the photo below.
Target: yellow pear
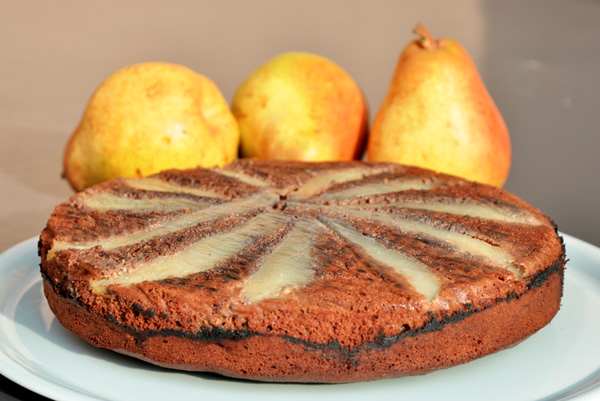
(301, 106)
(439, 115)
(150, 117)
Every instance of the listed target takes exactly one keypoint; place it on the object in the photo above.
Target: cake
(301, 272)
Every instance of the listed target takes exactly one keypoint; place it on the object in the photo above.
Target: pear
(439, 115)
(301, 106)
(150, 117)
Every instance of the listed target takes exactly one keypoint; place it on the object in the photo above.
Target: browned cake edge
(451, 341)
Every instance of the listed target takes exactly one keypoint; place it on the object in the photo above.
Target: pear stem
(425, 40)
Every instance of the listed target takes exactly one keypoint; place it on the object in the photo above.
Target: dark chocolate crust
(276, 339)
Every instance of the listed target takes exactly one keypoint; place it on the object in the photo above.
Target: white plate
(561, 361)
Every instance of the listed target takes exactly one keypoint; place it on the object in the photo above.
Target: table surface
(539, 59)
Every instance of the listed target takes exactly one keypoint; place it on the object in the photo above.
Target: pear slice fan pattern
(311, 272)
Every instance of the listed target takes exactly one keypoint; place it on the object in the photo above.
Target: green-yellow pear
(439, 115)
(301, 106)
(150, 117)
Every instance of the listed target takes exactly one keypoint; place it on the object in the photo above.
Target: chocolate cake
(290, 271)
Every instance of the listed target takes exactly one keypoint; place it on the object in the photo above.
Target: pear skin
(301, 106)
(439, 115)
(150, 117)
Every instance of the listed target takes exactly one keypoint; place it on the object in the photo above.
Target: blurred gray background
(539, 59)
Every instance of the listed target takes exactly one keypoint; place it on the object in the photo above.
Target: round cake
(304, 272)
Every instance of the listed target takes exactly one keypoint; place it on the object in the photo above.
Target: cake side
(276, 358)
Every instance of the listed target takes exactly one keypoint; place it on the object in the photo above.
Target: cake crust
(485, 270)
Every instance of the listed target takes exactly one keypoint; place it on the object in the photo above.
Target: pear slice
(462, 242)
(424, 281)
(482, 211)
(288, 266)
(103, 201)
(156, 184)
(241, 206)
(201, 256)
